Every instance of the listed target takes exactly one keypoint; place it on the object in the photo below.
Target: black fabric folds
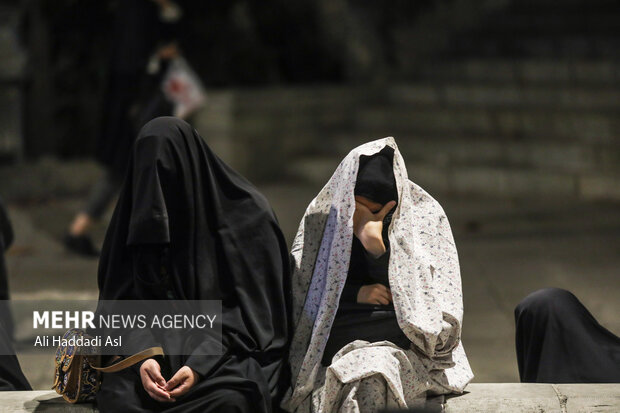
(11, 375)
(6, 239)
(559, 341)
(218, 239)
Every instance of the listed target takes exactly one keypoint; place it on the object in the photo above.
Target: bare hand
(183, 380)
(153, 382)
(374, 294)
(368, 226)
(168, 51)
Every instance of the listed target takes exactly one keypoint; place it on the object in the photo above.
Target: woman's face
(368, 203)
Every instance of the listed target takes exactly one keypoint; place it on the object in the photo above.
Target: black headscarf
(222, 240)
(375, 177)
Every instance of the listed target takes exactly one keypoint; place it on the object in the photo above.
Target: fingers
(374, 294)
(382, 294)
(158, 393)
(153, 382)
(154, 372)
(361, 207)
(180, 390)
(177, 379)
(382, 301)
(181, 382)
(386, 208)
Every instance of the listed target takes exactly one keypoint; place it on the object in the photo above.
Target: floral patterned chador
(425, 282)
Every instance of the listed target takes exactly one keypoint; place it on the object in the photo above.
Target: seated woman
(559, 341)
(187, 227)
(377, 302)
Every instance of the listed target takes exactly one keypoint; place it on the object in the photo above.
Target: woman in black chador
(188, 227)
(559, 341)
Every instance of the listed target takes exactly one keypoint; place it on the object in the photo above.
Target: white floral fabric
(425, 283)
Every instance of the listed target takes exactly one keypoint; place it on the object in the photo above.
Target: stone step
(299, 98)
(505, 124)
(47, 178)
(532, 45)
(558, 156)
(493, 181)
(416, 109)
(309, 103)
(534, 21)
(477, 398)
(550, 7)
(519, 71)
(532, 397)
(509, 95)
(543, 155)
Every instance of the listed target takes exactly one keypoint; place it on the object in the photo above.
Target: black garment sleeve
(349, 292)
(151, 283)
(202, 364)
(150, 272)
(151, 279)
(378, 267)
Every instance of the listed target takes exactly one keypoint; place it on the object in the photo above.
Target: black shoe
(81, 244)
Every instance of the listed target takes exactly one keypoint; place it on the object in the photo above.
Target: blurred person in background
(143, 43)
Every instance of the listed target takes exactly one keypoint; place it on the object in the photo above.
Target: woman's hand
(367, 226)
(168, 51)
(153, 382)
(374, 294)
(181, 382)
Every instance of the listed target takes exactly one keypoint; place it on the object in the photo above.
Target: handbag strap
(131, 360)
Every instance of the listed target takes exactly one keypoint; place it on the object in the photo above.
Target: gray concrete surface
(507, 249)
(478, 398)
(539, 398)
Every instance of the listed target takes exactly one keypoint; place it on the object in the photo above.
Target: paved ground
(507, 250)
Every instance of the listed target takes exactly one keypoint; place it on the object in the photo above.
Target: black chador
(11, 375)
(559, 341)
(188, 227)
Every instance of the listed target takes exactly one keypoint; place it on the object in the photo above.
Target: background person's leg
(102, 194)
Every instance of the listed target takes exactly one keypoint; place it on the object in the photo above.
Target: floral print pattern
(425, 282)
